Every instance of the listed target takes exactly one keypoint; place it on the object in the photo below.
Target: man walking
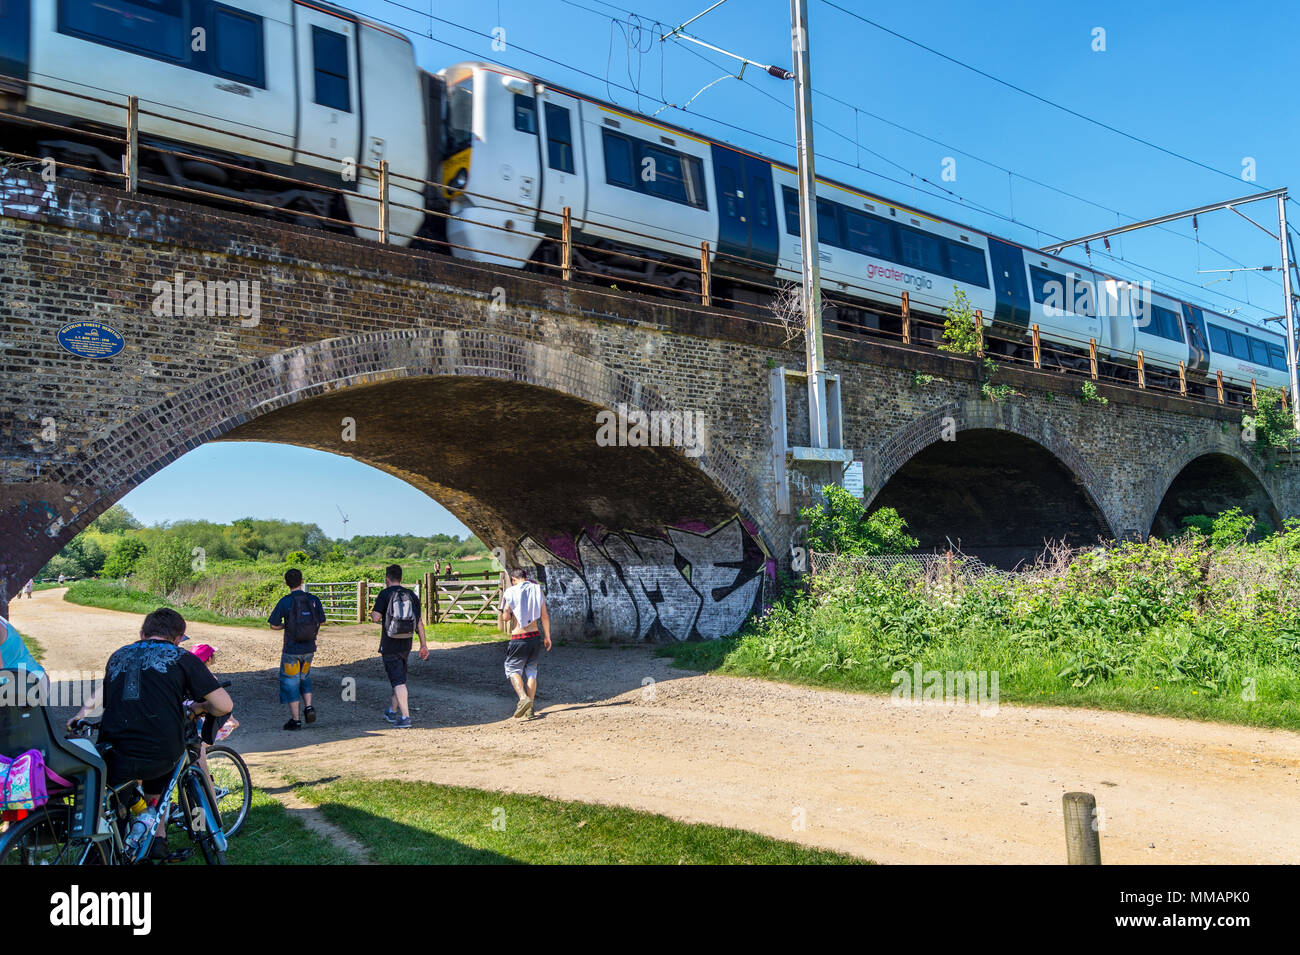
(299, 614)
(398, 610)
(524, 602)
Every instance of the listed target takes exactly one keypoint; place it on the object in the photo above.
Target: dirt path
(895, 784)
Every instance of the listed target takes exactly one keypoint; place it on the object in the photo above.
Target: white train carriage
(305, 90)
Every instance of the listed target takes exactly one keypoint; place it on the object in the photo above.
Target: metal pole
(132, 169)
(812, 290)
(1290, 309)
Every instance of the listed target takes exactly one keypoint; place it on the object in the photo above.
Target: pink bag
(22, 780)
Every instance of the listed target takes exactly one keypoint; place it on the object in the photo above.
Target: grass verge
(271, 836)
(403, 823)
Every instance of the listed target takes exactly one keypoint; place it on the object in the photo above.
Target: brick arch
(206, 411)
(906, 442)
(1214, 441)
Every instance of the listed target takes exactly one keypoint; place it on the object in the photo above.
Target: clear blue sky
(1214, 85)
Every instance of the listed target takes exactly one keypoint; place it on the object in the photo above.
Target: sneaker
(524, 704)
(402, 723)
(293, 725)
(528, 711)
(309, 714)
(390, 715)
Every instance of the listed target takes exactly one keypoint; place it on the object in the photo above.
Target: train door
(329, 104)
(1198, 344)
(1009, 286)
(563, 169)
(747, 229)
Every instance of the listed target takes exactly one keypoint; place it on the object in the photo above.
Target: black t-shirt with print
(401, 644)
(145, 686)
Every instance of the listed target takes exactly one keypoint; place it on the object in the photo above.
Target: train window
(1277, 357)
(828, 223)
(791, 199)
(1239, 344)
(155, 28)
(920, 250)
(1219, 340)
(559, 138)
(1258, 352)
(967, 264)
(525, 114)
(868, 235)
(664, 175)
(1048, 287)
(458, 117)
(1165, 324)
(237, 37)
(618, 160)
(330, 56)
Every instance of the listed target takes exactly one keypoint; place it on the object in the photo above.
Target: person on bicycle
(146, 684)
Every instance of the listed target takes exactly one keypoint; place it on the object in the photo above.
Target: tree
(116, 520)
(841, 525)
(166, 565)
(297, 557)
(124, 557)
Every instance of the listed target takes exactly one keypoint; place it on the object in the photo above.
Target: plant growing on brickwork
(787, 309)
(1271, 426)
(1089, 394)
(920, 380)
(961, 336)
(841, 525)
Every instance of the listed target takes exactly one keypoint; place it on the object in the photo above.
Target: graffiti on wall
(692, 583)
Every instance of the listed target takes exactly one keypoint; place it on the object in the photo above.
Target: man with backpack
(299, 614)
(398, 609)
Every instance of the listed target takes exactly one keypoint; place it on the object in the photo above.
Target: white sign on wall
(853, 479)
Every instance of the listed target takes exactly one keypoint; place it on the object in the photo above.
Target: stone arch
(236, 404)
(1201, 451)
(1018, 447)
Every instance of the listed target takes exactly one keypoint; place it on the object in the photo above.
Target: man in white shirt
(524, 602)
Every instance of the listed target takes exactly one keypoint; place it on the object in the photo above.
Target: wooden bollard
(1082, 840)
(907, 319)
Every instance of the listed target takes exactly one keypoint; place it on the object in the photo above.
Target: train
(287, 107)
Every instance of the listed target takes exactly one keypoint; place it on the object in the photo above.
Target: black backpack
(300, 623)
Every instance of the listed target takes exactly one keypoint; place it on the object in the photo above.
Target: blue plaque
(91, 339)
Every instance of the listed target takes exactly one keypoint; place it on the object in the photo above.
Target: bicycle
(87, 823)
(232, 784)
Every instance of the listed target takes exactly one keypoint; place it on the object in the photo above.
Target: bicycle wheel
(232, 785)
(42, 839)
(201, 819)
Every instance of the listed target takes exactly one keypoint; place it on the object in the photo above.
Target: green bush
(1186, 627)
(841, 526)
(167, 565)
(124, 557)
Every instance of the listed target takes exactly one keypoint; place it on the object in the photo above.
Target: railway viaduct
(484, 388)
